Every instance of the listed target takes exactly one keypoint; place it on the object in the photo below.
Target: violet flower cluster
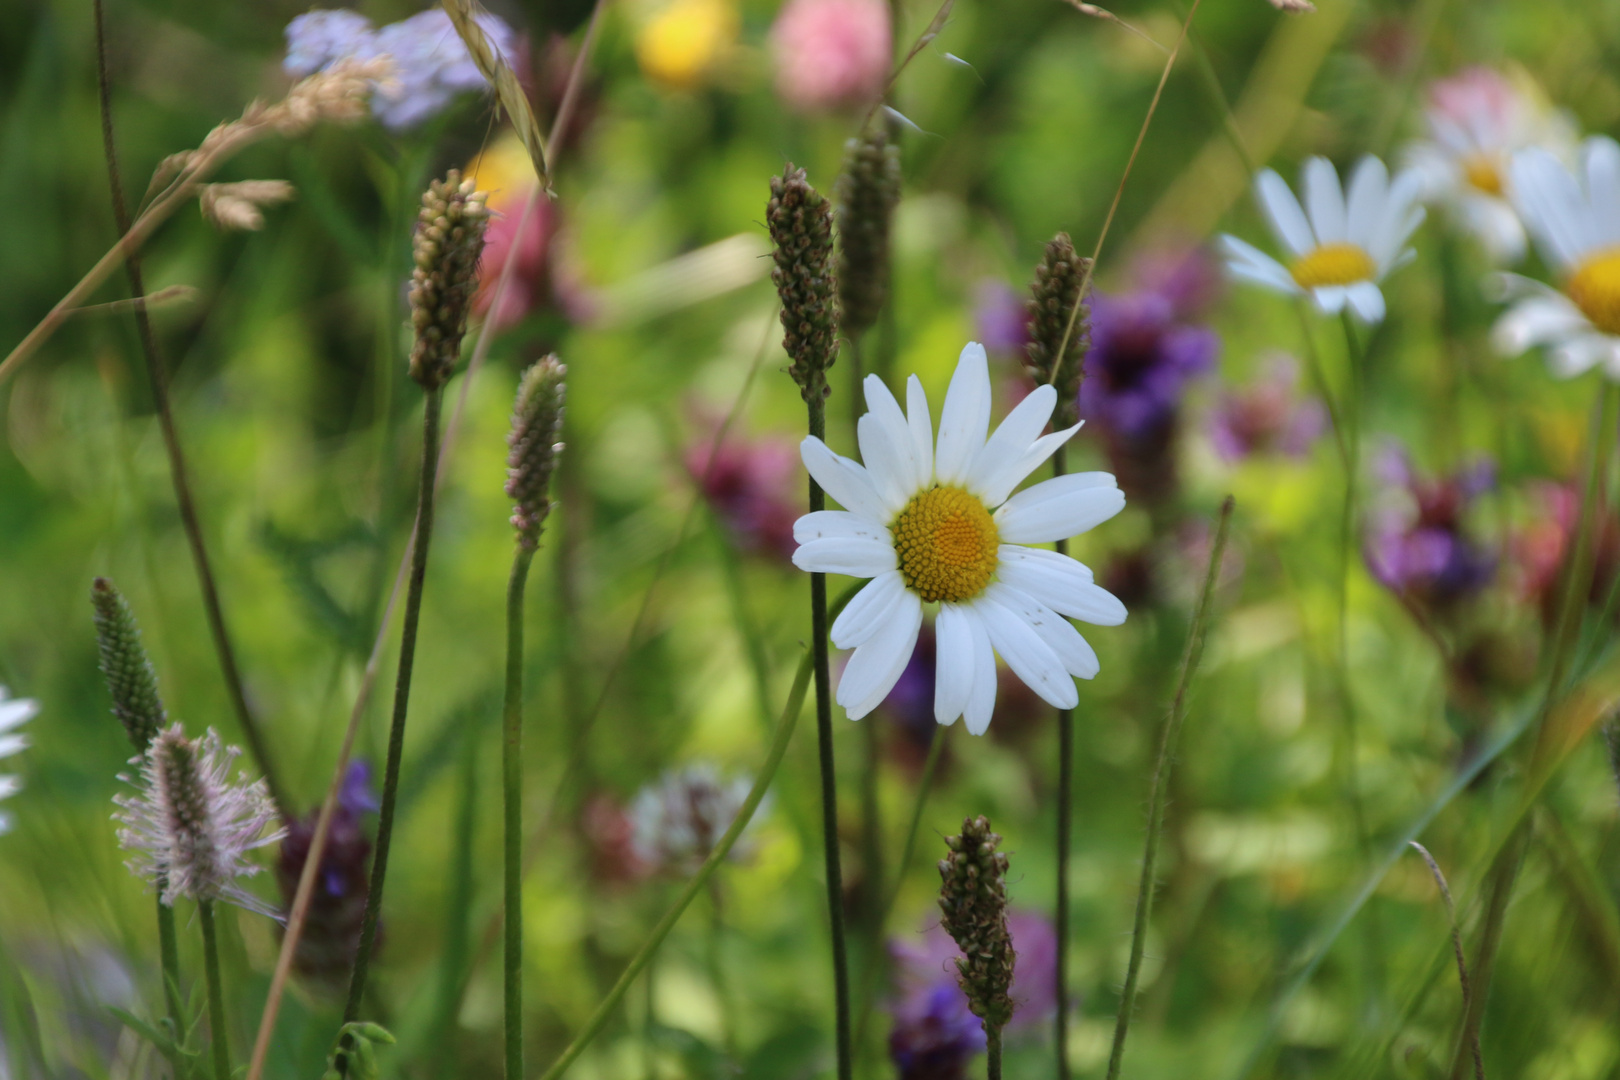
(431, 63)
(1419, 545)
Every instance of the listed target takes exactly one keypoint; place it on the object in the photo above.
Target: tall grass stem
(218, 1035)
(512, 809)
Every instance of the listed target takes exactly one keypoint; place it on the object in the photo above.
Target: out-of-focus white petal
(1330, 298)
(1324, 200)
(1251, 264)
(1364, 207)
(1367, 301)
(1282, 210)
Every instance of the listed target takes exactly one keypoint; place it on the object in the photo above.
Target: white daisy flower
(934, 524)
(1347, 245)
(14, 712)
(1477, 120)
(1576, 223)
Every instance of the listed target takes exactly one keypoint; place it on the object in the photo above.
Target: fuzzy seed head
(973, 906)
(800, 220)
(535, 442)
(868, 189)
(189, 828)
(1053, 294)
(131, 681)
(449, 240)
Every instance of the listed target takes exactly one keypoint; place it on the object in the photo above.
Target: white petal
(1251, 264)
(1059, 508)
(1330, 298)
(1547, 197)
(843, 479)
(1400, 219)
(1072, 650)
(1578, 355)
(997, 489)
(1367, 301)
(921, 423)
(837, 525)
(9, 786)
(1364, 206)
(1324, 199)
(876, 666)
(1540, 319)
(857, 558)
(16, 711)
(1062, 583)
(953, 663)
(866, 613)
(1283, 212)
(887, 466)
(1601, 158)
(1496, 225)
(981, 704)
(1007, 446)
(886, 409)
(965, 420)
(1030, 658)
(12, 744)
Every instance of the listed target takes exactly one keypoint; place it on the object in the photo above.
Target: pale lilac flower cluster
(1268, 416)
(14, 712)
(678, 819)
(189, 828)
(431, 63)
(1420, 546)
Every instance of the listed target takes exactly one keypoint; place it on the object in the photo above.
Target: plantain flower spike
(131, 680)
(449, 240)
(189, 828)
(800, 220)
(1053, 294)
(973, 906)
(867, 191)
(537, 419)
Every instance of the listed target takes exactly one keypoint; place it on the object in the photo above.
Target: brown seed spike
(800, 221)
(867, 191)
(1053, 295)
(973, 907)
(449, 240)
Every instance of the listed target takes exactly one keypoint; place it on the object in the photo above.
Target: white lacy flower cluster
(678, 819)
(1507, 167)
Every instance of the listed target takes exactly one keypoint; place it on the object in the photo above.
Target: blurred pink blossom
(752, 487)
(831, 54)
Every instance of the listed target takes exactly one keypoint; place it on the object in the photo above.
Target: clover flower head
(939, 523)
(14, 712)
(1268, 416)
(1350, 241)
(189, 827)
(678, 819)
(831, 54)
(1419, 545)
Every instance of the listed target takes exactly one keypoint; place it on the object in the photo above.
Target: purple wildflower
(934, 1035)
(748, 484)
(337, 907)
(1419, 546)
(1140, 362)
(431, 63)
(1267, 416)
(998, 314)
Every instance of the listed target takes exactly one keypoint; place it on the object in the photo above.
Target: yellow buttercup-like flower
(681, 44)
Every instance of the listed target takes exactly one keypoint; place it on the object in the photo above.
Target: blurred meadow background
(1367, 680)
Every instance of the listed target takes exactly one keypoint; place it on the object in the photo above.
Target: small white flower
(1346, 247)
(676, 820)
(1575, 221)
(1477, 120)
(14, 712)
(935, 524)
(189, 828)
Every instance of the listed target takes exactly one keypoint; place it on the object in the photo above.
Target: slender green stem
(829, 774)
(1065, 819)
(877, 959)
(169, 956)
(1169, 731)
(458, 913)
(649, 948)
(217, 1034)
(158, 380)
(512, 793)
(1504, 874)
(402, 700)
(992, 1039)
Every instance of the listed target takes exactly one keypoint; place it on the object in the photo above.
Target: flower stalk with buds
(534, 443)
(449, 240)
(973, 910)
(800, 221)
(1059, 324)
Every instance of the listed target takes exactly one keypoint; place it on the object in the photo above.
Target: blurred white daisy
(14, 712)
(1575, 221)
(934, 524)
(1478, 119)
(189, 828)
(1341, 252)
(678, 819)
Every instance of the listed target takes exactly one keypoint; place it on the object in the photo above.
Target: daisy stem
(876, 960)
(402, 699)
(1065, 815)
(649, 948)
(512, 792)
(1169, 732)
(829, 776)
(216, 992)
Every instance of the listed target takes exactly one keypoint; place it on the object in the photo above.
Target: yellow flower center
(946, 542)
(1482, 174)
(1595, 288)
(1333, 264)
